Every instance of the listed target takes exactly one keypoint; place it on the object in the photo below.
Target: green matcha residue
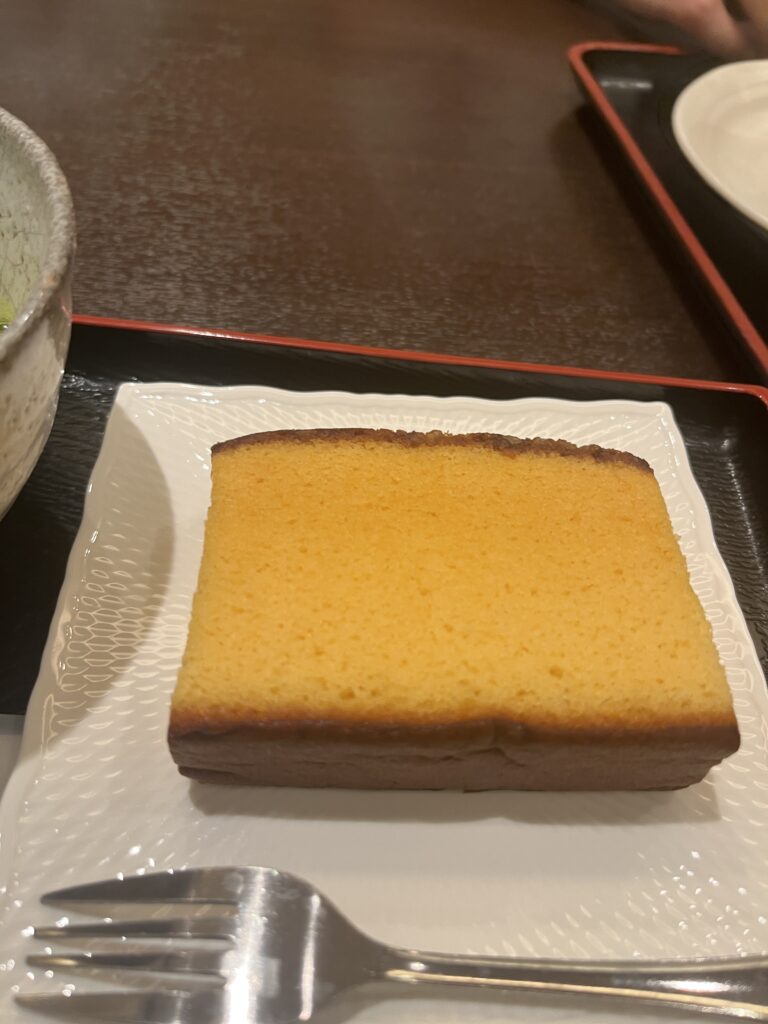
(6, 313)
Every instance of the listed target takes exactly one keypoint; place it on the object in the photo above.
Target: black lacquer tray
(633, 89)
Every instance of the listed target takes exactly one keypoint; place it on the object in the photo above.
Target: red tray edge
(733, 308)
(410, 355)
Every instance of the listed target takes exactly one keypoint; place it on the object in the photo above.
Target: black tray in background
(725, 430)
(640, 84)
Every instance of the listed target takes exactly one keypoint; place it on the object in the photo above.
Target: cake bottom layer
(471, 757)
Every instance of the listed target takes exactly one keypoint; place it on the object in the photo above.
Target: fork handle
(736, 987)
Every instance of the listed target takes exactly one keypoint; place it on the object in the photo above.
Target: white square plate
(95, 792)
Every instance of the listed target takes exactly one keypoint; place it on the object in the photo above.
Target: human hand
(711, 23)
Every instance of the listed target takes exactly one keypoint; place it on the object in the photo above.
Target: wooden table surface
(408, 173)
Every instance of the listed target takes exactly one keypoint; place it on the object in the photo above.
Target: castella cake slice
(382, 609)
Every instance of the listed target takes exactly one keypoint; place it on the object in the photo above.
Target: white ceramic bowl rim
(727, 80)
(61, 248)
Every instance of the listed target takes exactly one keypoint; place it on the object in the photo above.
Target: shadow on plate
(695, 805)
(123, 576)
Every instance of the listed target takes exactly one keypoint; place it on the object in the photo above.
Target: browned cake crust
(468, 756)
(504, 444)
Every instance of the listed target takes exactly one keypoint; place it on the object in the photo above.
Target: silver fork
(288, 952)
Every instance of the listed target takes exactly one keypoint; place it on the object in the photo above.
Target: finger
(709, 22)
(706, 21)
(756, 11)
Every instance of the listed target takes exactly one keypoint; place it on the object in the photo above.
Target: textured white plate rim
(23, 776)
(128, 393)
(729, 77)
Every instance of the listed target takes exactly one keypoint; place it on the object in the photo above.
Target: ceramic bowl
(37, 243)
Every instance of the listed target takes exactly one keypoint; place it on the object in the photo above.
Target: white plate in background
(95, 791)
(720, 122)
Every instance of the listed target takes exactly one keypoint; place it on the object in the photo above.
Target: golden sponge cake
(382, 609)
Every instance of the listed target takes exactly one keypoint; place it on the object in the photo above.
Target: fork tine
(194, 885)
(177, 962)
(130, 1007)
(173, 928)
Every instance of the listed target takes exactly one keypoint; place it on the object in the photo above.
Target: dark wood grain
(411, 173)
